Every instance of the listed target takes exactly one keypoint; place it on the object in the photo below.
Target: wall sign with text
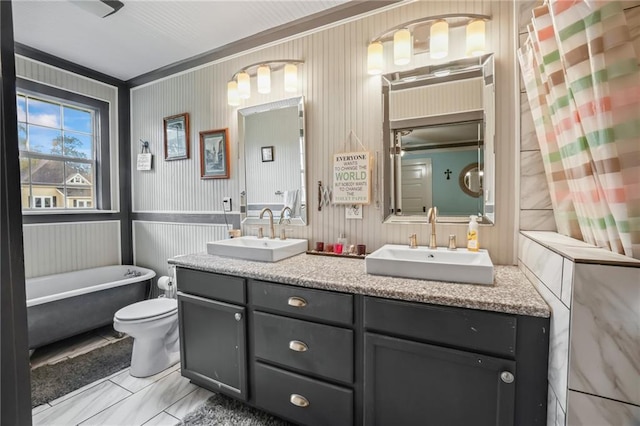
(352, 177)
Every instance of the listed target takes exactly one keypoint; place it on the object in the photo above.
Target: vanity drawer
(301, 399)
(213, 286)
(483, 331)
(303, 302)
(319, 349)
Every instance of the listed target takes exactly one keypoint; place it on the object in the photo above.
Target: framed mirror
(272, 140)
(439, 132)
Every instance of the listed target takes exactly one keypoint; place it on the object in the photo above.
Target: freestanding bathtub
(63, 305)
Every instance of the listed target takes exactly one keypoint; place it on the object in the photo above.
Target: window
(43, 202)
(63, 141)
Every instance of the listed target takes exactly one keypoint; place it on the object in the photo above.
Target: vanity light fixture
(402, 47)
(404, 39)
(439, 39)
(264, 79)
(244, 85)
(232, 93)
(239, 87)
(475, 38)
(290, 77)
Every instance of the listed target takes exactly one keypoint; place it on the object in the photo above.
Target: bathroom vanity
(317, 341)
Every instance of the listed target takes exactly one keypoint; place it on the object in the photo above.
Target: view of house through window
(57, 153)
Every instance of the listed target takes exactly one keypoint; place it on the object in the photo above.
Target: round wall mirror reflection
(470, 180)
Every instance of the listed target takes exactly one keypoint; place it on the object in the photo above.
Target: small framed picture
(176, 137)
(267, 153)
(214, 154)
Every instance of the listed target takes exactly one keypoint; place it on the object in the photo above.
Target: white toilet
(153, 324)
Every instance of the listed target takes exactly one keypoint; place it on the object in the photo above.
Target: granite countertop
(511, 293)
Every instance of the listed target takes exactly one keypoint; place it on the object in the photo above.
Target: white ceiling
(148, 34)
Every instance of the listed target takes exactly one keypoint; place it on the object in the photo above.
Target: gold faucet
(272, 230)
(282, 216)
(432, 217)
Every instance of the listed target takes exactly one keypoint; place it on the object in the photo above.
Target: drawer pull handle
(299, 400)
(507, 377)
(298, 346)
(297, 302)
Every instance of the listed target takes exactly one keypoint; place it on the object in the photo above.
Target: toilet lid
(147, 309)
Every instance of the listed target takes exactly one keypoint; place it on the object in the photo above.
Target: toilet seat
(147, 310)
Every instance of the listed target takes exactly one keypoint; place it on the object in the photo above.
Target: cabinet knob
(297, 302)
(238, 316)
(299, 400)
(507, 377)
(298, 346)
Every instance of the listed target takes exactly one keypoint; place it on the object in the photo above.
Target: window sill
(47, 212)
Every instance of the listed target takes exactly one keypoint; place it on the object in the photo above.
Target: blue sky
(45, 121)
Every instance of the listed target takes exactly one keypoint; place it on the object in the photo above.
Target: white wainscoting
(53, 248)
(155, 242)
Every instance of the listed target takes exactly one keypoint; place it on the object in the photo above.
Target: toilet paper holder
(166, 283)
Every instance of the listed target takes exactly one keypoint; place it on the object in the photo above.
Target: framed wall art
(267, 153)
(176, 137)
(214, 154)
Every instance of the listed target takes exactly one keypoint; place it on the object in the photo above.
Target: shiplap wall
(56, 248)
(53, 248)
(339, 97)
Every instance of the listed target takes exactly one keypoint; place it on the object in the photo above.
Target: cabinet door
(410, 383)
(212, 344)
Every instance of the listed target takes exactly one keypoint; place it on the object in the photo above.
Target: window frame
(102, 173)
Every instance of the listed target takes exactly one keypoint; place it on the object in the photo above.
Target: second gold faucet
(432, 217)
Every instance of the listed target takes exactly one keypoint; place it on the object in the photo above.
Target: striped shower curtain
(583, 83)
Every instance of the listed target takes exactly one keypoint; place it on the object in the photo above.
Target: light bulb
(374, 58)
(244, 85)
(439, 39)
(264, 79)
(232, 93)
(402, 47)
(290, 78)
(475, 38)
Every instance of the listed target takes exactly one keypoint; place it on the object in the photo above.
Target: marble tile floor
(163, 399)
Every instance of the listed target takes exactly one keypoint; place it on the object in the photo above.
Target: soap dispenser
(472, 234)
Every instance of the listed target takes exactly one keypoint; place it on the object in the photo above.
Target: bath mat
(220, 410)
(53, 381)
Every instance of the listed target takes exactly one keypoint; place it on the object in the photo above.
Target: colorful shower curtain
(583, 82)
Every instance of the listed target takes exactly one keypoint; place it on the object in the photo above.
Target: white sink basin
(260, 249)
(423, 263)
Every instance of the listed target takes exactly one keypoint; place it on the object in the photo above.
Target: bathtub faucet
(133, 273)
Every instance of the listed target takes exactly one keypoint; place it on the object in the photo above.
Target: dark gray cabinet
(408, 383)
(318, 357)
(212, 340)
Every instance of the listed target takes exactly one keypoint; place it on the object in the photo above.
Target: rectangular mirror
(439, 133)
(272, 138)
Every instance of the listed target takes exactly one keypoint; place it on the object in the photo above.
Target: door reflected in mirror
(272, 138)
(440, 128)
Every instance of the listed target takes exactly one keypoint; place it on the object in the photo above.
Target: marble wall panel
(605, 335)
(545, 264)
(591, 410)
(528, 137)
(537, 220)
(558, 339)
(534, 191)
(567, 281)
